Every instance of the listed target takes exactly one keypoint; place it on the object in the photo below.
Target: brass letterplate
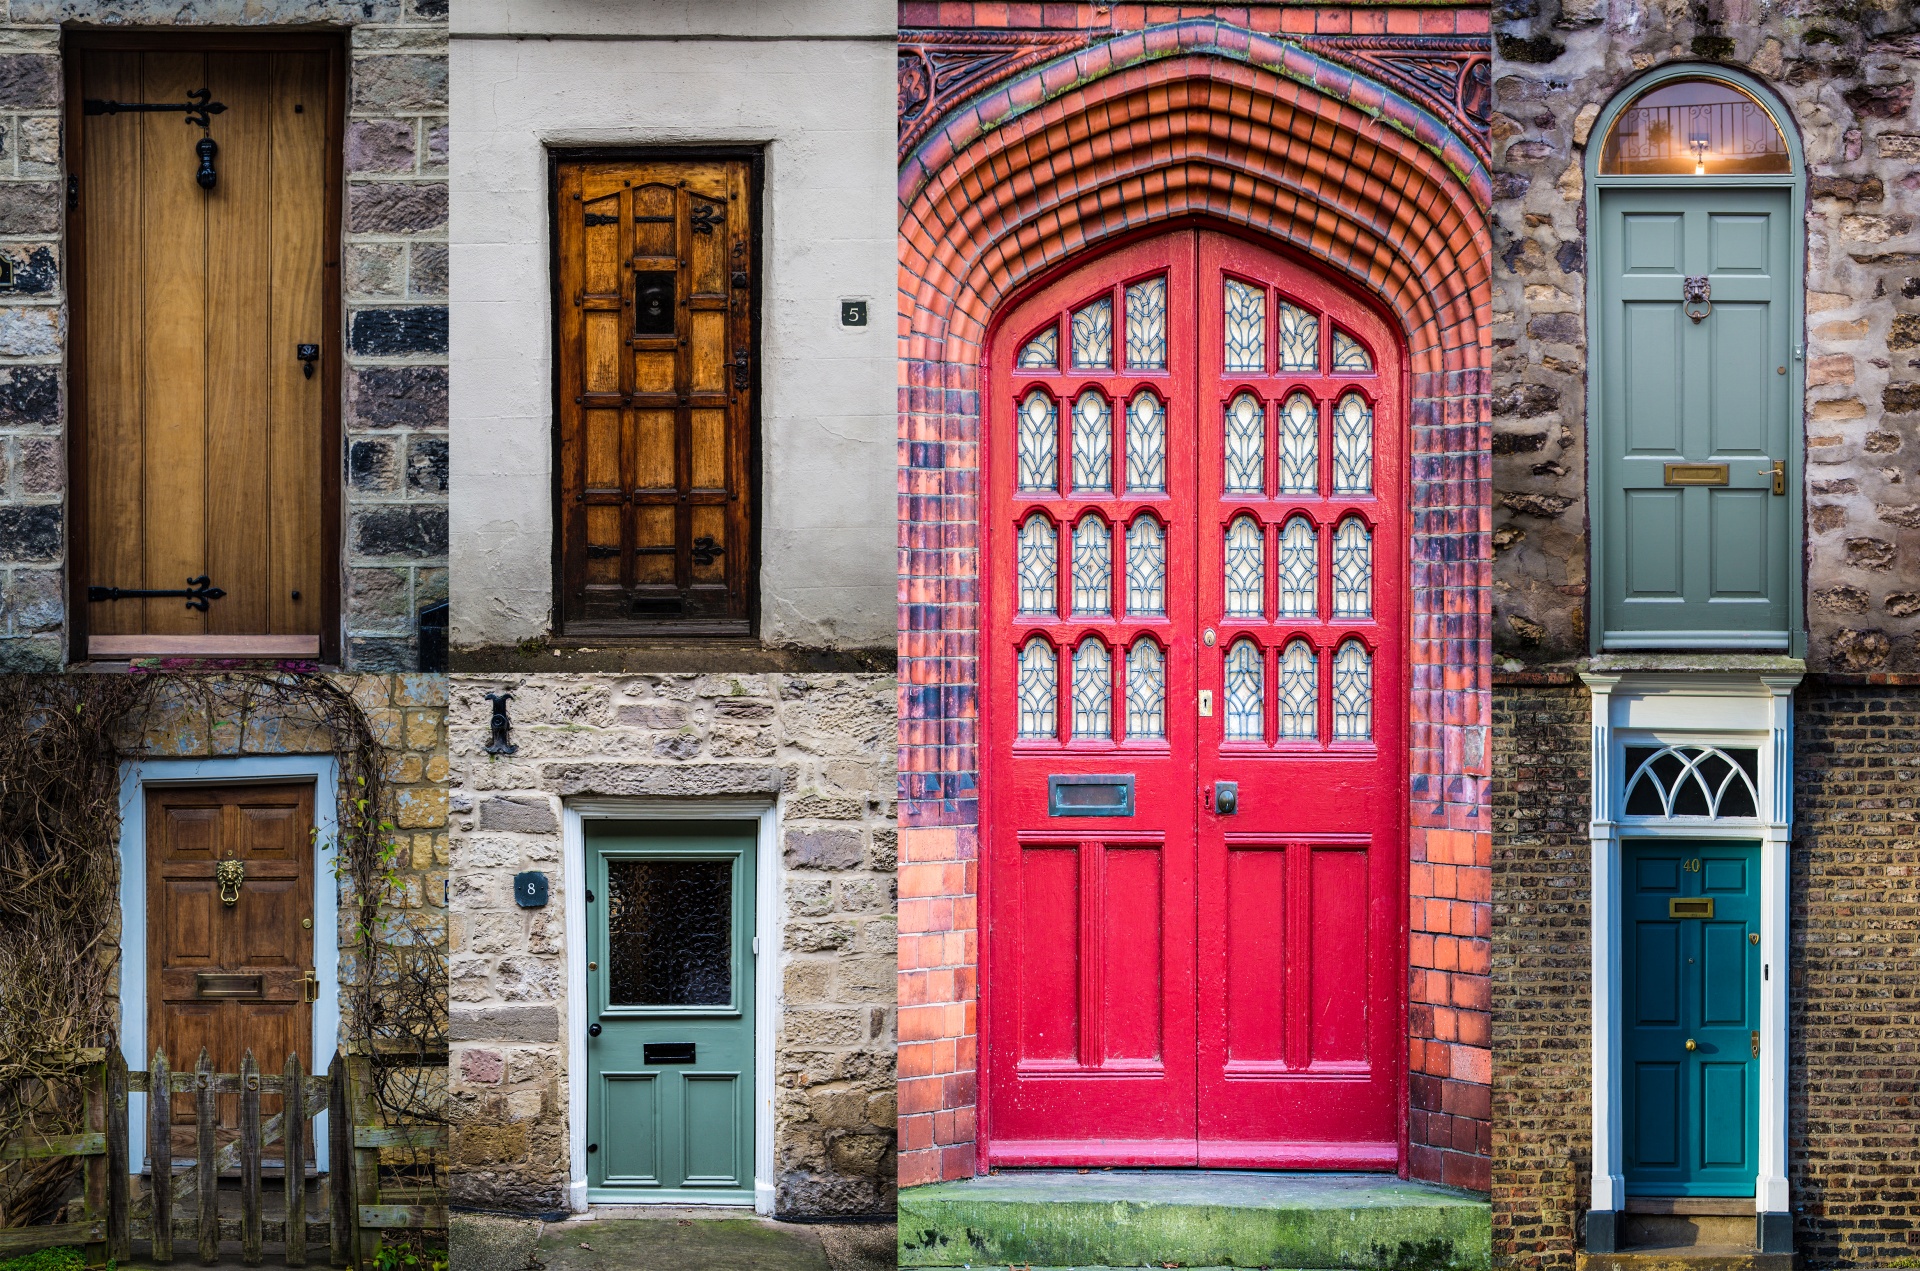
(1690, 907)
(1696, 474)
(227, 984)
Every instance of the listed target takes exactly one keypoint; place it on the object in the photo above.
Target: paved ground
(669, 1240)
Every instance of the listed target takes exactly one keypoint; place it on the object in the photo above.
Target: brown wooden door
(204, 432)
(229, 977)
(656, 366)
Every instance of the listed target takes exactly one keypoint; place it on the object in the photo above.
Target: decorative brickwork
(1030, 146)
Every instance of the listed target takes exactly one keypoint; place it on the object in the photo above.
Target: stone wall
(1846, 72)
(394, 468)
(824, 745)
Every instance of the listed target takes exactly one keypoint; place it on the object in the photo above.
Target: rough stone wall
(1542, 1107)
(824, 745)
(394, 468)
(1846, 72)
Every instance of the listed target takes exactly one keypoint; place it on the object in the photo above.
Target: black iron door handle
(593, 1030)
(308, 355)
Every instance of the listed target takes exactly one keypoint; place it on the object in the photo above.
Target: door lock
(593, 1030)
(1779, 474)
(1226, 797)
(308, 355)
(1691, 1045)
(1754, 1041)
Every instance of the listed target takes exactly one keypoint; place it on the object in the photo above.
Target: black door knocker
(199, 109)
(1697, 291)
(500, 724)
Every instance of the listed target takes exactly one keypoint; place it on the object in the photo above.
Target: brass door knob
(1690, 1044)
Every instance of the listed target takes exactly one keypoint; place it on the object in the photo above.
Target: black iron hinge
(197, 591)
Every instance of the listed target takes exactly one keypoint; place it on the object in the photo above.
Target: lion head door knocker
(229, 874)
(1697, 291)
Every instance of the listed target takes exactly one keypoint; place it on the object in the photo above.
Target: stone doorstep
(1193, 1218)
(1688, 1258)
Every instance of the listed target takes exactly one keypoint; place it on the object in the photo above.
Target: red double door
(1192, 790)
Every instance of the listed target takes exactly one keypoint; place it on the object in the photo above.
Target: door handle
(1691, 1045)
(1226, 797)
(1779, 474)
(310, 987)
(308, 354)
(593, 1030)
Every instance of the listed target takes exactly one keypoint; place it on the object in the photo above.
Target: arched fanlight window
(1702, 781)
(1699, 127)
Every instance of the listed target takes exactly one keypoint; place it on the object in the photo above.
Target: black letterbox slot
(667, 1052)
(1106, 794)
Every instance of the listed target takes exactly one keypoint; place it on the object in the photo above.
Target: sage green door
(1696, 417)
(670, 983)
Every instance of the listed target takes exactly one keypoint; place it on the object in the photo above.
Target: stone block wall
(821, 744)
(394, 466)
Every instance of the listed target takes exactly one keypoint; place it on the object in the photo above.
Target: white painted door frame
(764, 811)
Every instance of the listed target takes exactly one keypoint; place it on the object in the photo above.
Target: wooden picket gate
(353, 1208)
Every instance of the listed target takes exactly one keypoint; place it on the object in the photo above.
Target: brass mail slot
(1697, 474)
(1690, 907)
(227, 984)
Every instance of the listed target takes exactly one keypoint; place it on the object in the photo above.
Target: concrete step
(1194, 1218)
(1740, 1257)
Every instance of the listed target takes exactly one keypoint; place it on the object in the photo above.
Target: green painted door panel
(669, 964)
(1691, 1116)
(1694, 564)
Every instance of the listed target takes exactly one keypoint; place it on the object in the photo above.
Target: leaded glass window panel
(1299, 338)
(1246, 694)
(1147, 444)
(1147, 325)
(1299, 445)
(669, 933)
(1353, 446)
(1352, 570)
(1039, 565)
(1042, 352)
(1349, 355)
(1299, 692)
(1039, 442)
(1246, 568)
(1092, 442)
(1092, 690)
(1352, 693)
(1246, 327)
(1146, 567)
(1092, 566)
(1299, 569)
(1093, 335)
(1039, 689)
(1246, 447)
(1146, 690)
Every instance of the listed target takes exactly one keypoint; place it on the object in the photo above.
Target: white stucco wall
(813, 82)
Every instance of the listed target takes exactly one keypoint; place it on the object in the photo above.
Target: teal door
(1700, 545)
(670, 975)
(1691, 1015)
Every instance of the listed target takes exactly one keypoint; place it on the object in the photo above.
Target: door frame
(332, 342)
(989, 670)
(135, 777)
(1753, 708)
(1795, 183)
(768, 966)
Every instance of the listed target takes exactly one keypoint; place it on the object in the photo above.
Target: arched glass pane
(1246, 447)
(1246, 327)
(1299, 445)
(1697, 127)
(1353, 446)
(1039, 689)
(1146, 567)
(1092, 442)
(1349, 355)
(1093, 335)
(1299, 570)
(1146, 690)
(1147, 325)
(1246, 694)
(1092, 690)
(1352, 693)
(1299, 338)
(1352, 570)
(1246, 568)
(1039, 443)
(1092, 566)
(1146, 444)
(1042, 352)
(1039, 551)
(1299, 692)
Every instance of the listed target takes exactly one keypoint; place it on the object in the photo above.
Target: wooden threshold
(1700, 1206)
(203, 646)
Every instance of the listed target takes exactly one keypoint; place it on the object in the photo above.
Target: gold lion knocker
(229, 874)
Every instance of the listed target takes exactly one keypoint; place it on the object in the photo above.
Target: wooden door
(654, 296)
(208, 356)
(1168, 982)
(229, 975)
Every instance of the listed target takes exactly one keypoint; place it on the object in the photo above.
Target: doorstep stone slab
(1194, 1218)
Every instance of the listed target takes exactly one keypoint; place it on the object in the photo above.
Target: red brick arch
(1194, 121)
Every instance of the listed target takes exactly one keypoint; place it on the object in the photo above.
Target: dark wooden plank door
(655, 394)
(229, 977)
